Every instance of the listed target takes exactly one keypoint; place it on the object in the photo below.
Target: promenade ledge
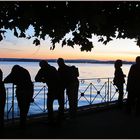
(98, 122)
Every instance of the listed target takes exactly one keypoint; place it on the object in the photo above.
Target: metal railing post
(13, 102)
(44, 100)
(7, 97)
(105, 93)
(90, 92)
(108, 91)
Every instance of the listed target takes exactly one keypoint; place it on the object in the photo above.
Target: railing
(91, 91)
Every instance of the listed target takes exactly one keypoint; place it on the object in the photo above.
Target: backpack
(74, 72)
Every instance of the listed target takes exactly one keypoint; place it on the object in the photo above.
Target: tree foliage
(57, 18)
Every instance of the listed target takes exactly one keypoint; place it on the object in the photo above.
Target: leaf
(101, 39)
(63, 42)
(1, 38)
(53, 46)
(2, 31)
(105, 42)
(70, 43)
(15, 32)
(36, 42)
(138, 42)
(22, 34)
(29, 37)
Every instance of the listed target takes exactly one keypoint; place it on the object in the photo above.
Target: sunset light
(12, 47)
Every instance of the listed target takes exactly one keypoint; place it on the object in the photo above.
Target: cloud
(13, 42)
(10, 49)
(128, 52)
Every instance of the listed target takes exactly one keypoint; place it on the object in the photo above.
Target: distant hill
(67, 61)
(20, 59)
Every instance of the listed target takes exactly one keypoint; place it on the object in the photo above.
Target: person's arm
(77, 72)
(130, 78)
(9, 79)
(39, 77)
(122, 75)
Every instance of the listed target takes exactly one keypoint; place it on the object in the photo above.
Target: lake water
(86, 70)
(94, 90)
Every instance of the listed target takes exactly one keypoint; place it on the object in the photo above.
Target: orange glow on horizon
(118, 49)
(73, 55)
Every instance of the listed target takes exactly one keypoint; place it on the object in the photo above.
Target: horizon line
(54, 59)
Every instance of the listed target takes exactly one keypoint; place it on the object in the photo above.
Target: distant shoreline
(67, 61)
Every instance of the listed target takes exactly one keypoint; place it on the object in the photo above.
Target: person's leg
(23, 104)
(20, 105)
(72, 92)
(2, 106)
(24, 108)
(137, 112)
(75, 98)
(61, 105)
(50, 107)
(1, 117)
(130, 101)
(121, 94)
(69, 92)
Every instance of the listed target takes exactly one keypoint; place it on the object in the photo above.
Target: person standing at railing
(20, 77)
(133, 88)
(49, 75)
(2, 100)
(70, 83)
(119, 80)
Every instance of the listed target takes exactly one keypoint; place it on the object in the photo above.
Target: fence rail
(91, 91)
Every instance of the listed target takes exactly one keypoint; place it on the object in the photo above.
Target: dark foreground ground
(108, 123)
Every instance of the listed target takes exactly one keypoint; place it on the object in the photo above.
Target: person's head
(60, 62)
(43, 63)
(118, 63)
(138, 60)
(16, 68)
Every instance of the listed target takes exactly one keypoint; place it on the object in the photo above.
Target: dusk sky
(12, 47)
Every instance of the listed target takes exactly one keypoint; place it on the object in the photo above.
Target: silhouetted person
(70, 83)
(133, 87)
(119, 80)
(2, 100)
(49, 75)
(24, 90)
